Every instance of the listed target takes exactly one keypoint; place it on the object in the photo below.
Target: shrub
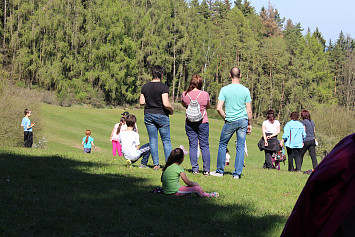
(13, 101)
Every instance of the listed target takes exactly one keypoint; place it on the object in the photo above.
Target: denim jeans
(155, 123)
(145, 153)
(198, 132)
(240, 127)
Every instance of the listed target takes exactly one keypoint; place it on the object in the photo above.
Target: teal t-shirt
(88, 144)
(235, 96)
(171, 179)
(25, 123)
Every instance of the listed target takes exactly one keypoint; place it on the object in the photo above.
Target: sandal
(214, 194)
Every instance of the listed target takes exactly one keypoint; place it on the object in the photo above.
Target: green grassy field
(59, 191)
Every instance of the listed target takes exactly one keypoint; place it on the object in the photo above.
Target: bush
(333, 123)
(13, 101)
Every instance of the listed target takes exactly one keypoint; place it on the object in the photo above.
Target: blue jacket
(294, 134)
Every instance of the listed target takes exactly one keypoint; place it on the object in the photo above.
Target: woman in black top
(310, 140)
(154, 97)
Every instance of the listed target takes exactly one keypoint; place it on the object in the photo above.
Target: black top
(309, 124)
(152, 92)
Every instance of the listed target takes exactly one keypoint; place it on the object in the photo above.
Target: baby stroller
(277, 158)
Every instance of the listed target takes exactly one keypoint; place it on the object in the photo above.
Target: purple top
(203, 100)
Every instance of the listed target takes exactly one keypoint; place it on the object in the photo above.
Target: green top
(235, 96)
(170, 179)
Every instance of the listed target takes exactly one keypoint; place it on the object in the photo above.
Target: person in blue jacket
(294, 134)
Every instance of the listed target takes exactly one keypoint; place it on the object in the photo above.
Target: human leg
(145, 153)
(297, 157)
(164, 130)
(304, 149)
(152, 131)
(312, 152)
(114, 147)
(203, 137)
(242, 125)
(193, 145)
(227, 132)
(290, 158)
(185, 190)
(119, 148)
(268, 160)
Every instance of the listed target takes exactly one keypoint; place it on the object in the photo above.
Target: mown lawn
(59, 191)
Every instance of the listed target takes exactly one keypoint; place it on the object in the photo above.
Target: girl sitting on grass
(171, 174)
(88, 142)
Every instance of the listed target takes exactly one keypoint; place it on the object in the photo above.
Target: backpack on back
(193, 111)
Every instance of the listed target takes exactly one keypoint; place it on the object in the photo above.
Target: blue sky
(330, 16)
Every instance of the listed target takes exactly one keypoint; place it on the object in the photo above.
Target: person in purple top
(198, 132)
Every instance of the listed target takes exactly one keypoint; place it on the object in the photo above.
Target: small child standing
(129, 140)
(172, 173)
(116, 145)
(88, 142)
(27, 128)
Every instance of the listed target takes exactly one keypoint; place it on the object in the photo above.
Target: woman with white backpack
(196, 103)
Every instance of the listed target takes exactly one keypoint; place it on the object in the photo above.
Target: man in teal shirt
(237, 116)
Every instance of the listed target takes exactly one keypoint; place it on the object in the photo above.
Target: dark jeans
(145, 153)
(294, 154)
(311, 147)
(28, 139)
(198, 132)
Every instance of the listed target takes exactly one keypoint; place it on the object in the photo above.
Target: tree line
(105, 49)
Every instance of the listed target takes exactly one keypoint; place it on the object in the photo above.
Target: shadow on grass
(51, 196)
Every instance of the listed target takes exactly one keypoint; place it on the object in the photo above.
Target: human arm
(250, 117)
(264, 136)
(166, 103)
(92, 143)
(182, 99)
(82, 143)
(208, 104)
(187, 181)
(220, 110)
(142, 100)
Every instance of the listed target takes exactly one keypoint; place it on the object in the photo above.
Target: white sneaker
(214, 173)
(129, 163)
(236, 177)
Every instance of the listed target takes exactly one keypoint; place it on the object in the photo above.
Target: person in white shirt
(269, 142)
(129, 140)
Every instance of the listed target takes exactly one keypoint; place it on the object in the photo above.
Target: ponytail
(88, 133)
(87, 139)
(122, 119)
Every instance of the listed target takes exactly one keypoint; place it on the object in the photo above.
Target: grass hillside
(59, 191)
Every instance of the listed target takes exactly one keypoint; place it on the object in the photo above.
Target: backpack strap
(196, 97)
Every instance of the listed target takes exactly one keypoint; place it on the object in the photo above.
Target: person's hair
(305, 114)
(270, 115)
(130, 120)
(120, 125)
(157, 72)
(176, 156)
(235, 72)
(196, 82)
(87, 133)
(294, 115)
(27, 111)
(227, 151)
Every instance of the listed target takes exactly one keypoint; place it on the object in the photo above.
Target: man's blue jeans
(155, 123)
(240, 127)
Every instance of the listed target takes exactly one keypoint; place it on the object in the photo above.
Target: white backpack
(193, 111)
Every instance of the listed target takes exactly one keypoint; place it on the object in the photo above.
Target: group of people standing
(237, 116)
(298, 137)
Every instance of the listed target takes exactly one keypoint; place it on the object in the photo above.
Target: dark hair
(27, 111)
(131, 120)
(305, 114)
(270, 115)
(294, 115)
(227, 150)
(196, 82)
(157, 72)
(235, 72)
(87, 133)
(120, 125)
(176, 156)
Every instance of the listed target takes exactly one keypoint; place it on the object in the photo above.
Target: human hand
(266, 143)
(268, 137)
(249, 128)
(282, 143)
